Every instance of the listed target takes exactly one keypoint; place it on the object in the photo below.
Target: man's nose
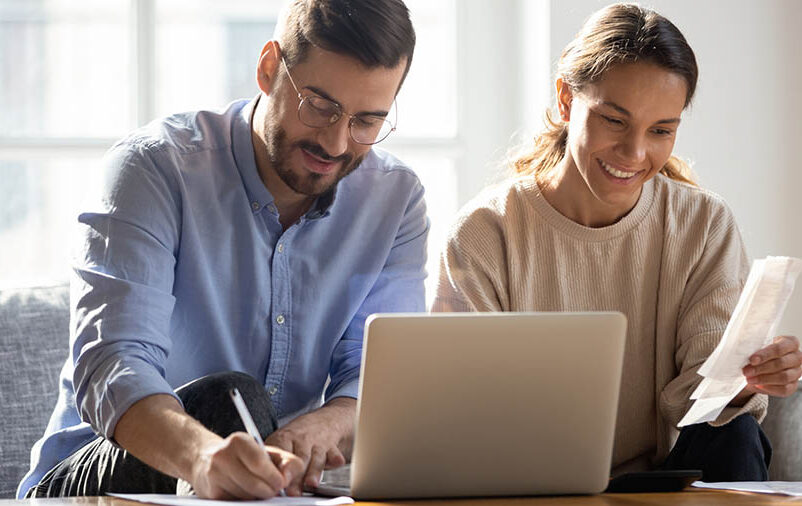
(335, 137)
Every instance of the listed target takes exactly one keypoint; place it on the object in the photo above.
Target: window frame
(482, 128)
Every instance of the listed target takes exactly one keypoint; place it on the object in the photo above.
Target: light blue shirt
(183, 270)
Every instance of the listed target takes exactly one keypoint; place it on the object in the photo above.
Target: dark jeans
(738, 451)
(100, 467)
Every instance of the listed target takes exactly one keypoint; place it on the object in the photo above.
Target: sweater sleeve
(711, 294)
(473, 273)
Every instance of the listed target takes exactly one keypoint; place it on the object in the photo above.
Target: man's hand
(322, 439)
(775, 369)
(237, 468)
(158, 432)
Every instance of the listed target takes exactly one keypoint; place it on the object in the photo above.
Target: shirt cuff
(347, 389)
(125, 385)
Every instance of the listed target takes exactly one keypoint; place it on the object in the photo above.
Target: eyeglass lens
(319, 112)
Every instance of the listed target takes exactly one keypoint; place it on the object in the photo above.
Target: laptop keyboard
(339, 477)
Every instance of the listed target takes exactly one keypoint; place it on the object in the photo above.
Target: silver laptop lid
(486, 404)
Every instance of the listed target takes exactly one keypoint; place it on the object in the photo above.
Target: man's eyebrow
(628, 114)
(323, 94)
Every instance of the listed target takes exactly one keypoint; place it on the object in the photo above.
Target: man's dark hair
(378, 33)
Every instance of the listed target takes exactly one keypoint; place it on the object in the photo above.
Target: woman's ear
(268, 65)
(565, 96)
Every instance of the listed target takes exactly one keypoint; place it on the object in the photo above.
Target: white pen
(247, 421)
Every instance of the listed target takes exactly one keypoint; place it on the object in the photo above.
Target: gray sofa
(33, 346)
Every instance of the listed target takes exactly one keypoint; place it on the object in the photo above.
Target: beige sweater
(674, 265)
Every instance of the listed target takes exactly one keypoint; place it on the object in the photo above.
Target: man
(256, 239)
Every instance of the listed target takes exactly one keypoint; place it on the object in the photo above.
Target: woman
(600, 216)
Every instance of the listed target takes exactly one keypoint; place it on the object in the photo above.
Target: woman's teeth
(618, 173)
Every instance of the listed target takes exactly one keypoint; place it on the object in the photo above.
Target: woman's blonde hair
(619, 33)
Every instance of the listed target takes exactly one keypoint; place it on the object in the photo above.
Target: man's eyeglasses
(319, 112)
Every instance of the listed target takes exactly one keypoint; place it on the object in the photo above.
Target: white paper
(710, 387)
(704, 410)
(792, 488)
(176, 500)
(754, 322)
(752, 326)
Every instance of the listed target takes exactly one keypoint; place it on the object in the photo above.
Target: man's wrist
(344, 413)
(343, 409)
(181, 444)
(342, 402)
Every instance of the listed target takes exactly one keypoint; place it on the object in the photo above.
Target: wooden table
(690, 497)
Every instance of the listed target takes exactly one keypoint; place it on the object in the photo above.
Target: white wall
(490, 91)
(744, 129)
(745, 123)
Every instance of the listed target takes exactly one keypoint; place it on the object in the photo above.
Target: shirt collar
(242, 148)
(322, 205)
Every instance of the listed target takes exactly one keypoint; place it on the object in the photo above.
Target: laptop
(484, 404)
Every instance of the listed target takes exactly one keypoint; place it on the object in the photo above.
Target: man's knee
(208, 400)
(221, 382)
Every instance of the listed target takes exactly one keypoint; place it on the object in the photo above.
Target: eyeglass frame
(342, 112)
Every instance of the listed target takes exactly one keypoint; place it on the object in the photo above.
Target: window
(76, 76)
(61, 94)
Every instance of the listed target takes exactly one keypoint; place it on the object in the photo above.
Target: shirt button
(255, 206)
(272, 208)
(280, 248)
(280, 319)
(273, 390)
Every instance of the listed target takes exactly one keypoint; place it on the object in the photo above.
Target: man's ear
(268, 66)
(565, 95)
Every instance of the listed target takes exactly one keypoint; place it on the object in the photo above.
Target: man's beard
(308, 183)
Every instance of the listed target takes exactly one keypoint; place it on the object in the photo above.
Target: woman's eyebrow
(626, 113)
(617, 108)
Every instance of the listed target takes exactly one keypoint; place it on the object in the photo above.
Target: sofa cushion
(34, 336)
(783, 426)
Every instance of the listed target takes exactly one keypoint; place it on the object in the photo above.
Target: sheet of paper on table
(752, 326)
(792, 488)
(175, 500)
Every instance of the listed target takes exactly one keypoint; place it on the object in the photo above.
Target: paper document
(792, 488)
(752, 326)
(189, 500)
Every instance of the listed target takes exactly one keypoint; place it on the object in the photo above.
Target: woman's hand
(775, 369)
